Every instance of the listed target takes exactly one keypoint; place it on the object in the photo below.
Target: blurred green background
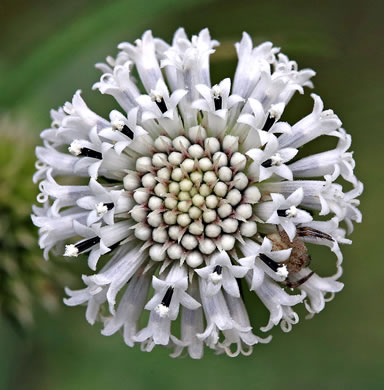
(47, 51)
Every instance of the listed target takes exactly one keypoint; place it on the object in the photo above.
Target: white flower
(284, 212)
(117, 82)
(252, 61)
(188, 56)
(191, 325)
(324, 196)
(124, 130)
(55, 228)
(159, 104)
(264, 123)
(129, 310)
(104, 203)
(241, 336)
(218, 318)
(171, 293)
(97, 240)
(333, 162)
(276, 300)
(261, 259)
(318, 123)
(316, 289)
(221, 273)
(190, 193)
(271, 161)
(216, 102)
(327, 233)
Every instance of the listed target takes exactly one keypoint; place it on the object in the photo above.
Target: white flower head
(190, 193)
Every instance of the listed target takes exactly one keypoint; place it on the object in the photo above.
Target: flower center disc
(192, 197)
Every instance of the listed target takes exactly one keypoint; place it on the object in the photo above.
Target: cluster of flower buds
(192, 197)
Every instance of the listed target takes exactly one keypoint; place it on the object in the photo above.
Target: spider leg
(309, 232)
(299, 282)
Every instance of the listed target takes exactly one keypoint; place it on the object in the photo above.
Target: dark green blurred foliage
(26, 281)
(48, 49)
